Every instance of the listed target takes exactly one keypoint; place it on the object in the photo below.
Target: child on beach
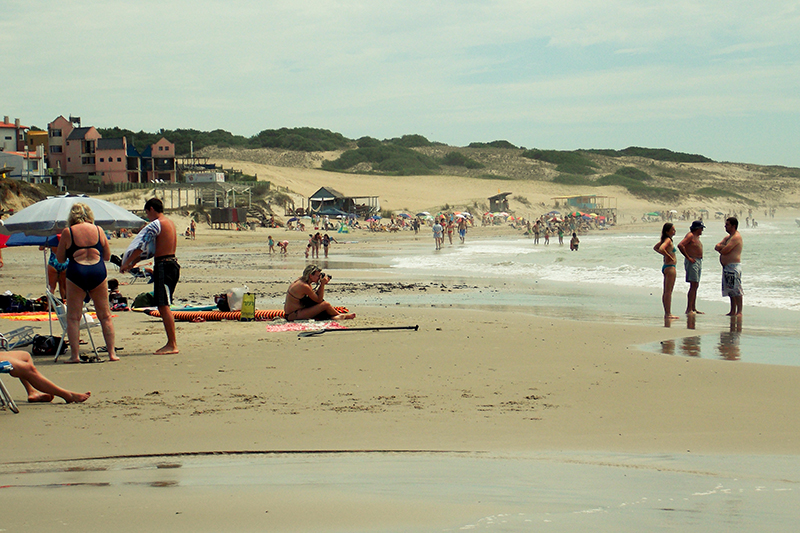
(271, 244)
(547, 235)
(283, 245)
(574, 242)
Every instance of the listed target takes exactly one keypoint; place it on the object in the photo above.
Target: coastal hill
(636, 180)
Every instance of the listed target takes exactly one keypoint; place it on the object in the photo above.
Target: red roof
(12, 125)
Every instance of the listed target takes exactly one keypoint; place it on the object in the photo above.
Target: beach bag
(144, 299)
(222, 302)
(47, 345)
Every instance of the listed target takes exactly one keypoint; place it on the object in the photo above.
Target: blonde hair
(80, 213)
(309, 271)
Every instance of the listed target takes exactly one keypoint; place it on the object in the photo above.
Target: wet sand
(492, 383)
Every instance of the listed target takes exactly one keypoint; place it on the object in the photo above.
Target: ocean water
(613, 277)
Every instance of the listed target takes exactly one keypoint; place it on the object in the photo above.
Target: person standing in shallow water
(730, 257)
(692, 250)
(667, 248)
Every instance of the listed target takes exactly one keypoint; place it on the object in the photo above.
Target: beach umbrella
(404, 215)
(423, 214)
(576, 214)
(672, 211)
(293, 219)
(49, 216)
(654, 214)
(553, 213)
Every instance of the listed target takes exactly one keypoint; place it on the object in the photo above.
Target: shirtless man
(692, 250)
(158, 239)
(730, 256)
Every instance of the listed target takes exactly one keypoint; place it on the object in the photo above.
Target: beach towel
(304, 326)
(36, 316)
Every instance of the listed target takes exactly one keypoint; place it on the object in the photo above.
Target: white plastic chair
(16, 338)
(86, 323)
(5, 396)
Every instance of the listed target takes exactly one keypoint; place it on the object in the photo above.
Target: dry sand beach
(467, 411)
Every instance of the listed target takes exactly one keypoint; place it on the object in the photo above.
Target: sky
(721, 79)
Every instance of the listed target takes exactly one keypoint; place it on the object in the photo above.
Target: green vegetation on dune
(385, 158)
(659, 154)
(566, 162)
(493, 144)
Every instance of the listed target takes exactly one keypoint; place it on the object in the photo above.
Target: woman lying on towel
(304, 302)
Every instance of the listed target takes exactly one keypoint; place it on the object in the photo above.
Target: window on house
(55, 149)
(55, 133)
(119, 159)
(8, 138)
(160, 148)
(101, 159)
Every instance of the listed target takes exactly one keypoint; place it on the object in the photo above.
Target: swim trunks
(693, 270)
(53, 262)
(166, 273)
(732, 280)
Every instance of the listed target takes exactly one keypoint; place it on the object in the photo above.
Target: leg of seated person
(323, 307)
(100, 298)
(39, 388)
(74, 302)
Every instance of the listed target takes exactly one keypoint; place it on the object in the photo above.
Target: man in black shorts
(160, 238)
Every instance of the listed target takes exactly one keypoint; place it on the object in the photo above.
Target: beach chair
(86, 323)
(5, 397)
(137, 273)
(16, 338)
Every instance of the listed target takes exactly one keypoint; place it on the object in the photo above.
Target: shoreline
(477, 395)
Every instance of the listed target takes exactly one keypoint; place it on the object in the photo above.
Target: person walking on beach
(438, 235)
(158, 239)
(462, 229)
(667, 248)
(574, 242)
(692, 250)
(730, 257)
(271, 243)
(326, 242)
(451, 227)
(193, 229)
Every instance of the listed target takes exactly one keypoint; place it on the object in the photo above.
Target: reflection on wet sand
(733, 345)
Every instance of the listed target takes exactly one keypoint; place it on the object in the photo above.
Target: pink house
(57, 133)
(82, 152)
(111, 160)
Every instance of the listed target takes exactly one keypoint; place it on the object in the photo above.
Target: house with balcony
(83, 154)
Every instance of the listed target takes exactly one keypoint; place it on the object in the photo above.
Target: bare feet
(40, 397)
(112, 357)
(166, 349)
(71, 361)
(77, 397)
(671, 317)
(349, 316)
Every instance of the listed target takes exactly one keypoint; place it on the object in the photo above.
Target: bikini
(53, 262)
(86, 277)
(305, 302)
(666, 266)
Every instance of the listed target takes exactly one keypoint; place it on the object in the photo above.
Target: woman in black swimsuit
(304, 302)
(86, 247)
